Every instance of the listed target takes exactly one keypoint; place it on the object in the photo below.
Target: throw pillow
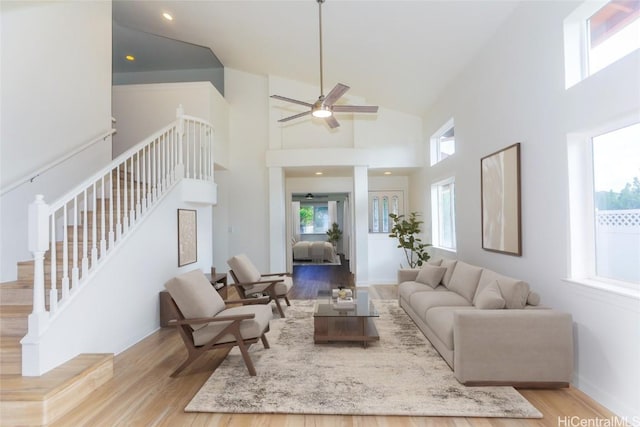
(514, 292)
(490, 298)
(533, 298)
(449, 264)
(430, 275)
(464, 280)
(435, 262)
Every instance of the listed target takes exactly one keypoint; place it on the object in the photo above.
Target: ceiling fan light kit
(324, 107)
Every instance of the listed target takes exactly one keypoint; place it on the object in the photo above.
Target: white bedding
(315, 251)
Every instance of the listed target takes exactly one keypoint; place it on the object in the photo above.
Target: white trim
(612, 286)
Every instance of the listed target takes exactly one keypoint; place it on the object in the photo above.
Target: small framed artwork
(500, 198)
(187, 237)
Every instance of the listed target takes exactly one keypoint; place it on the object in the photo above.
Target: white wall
(514, 92)
(384, 255)
(141, 110)
(248, 181)
(56, 96)
(120, 305)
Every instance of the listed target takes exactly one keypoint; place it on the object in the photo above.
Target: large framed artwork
(500, 198)
(187, 237)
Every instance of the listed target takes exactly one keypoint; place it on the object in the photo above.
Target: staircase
(41, 400)
(97, 214)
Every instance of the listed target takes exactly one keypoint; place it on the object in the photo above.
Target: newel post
(38, 239)
(180, 126)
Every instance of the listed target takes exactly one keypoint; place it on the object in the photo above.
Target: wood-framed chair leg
(287, 301)
(265, 343)
(279, 307)
(245, 356)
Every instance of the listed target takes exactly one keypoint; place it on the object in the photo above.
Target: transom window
(613, 32)
(597, 34)
(443, 143)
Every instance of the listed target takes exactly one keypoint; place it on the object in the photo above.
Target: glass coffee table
(332, 323)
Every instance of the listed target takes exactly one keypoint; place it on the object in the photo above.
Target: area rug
(402, 374)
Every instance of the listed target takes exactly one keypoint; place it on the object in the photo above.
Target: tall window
(616, 186)
(597, 34)
(604, 202)
(443, 143)
(314, 218)
(443, 224)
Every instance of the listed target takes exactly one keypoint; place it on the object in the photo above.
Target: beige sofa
(488, 327)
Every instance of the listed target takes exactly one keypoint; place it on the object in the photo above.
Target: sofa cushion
(421, 302)
(406, 289)
(436, 262)
(244, 269)
(514, 291)
(449, 264)
(440, 320)
(194, 296)
(490, 298)
(464, 280)
(431, 275)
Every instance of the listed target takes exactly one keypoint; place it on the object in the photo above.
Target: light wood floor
(142, 393)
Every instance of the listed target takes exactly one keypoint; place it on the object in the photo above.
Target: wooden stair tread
(17, 387)
(14, 284)
(15, 310)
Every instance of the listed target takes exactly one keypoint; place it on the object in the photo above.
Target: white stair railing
(86, 224)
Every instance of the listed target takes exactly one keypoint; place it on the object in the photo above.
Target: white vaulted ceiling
(398, 54)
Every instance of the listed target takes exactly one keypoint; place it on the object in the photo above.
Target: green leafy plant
(334, 234)
(407, 231)
(306, 215)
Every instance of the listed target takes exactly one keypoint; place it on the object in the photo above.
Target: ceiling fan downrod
(320, 32)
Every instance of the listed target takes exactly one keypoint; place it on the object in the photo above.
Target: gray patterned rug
(402, 374)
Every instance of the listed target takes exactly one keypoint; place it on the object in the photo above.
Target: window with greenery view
(314, 218)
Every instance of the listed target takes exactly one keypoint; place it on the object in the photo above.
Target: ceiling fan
(325, 106)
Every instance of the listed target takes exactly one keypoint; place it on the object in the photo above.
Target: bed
(313, 251)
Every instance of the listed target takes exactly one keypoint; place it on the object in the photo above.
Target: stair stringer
(118, 304)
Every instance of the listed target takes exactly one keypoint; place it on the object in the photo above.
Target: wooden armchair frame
(269, 290)
(186, 332)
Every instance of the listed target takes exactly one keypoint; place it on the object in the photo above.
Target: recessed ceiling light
(167, 16)
(387, 173)
(130, 58)
(318, 173)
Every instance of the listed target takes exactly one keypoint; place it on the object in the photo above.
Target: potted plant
(334, 234)
(406, 231)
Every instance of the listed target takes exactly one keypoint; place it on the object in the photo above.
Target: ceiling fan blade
(295, 101)
(335, 94)
(332, 122)
(355, 108)
(286, 119)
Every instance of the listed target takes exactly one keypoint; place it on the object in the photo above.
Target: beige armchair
(205, 322)
(249, 282)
